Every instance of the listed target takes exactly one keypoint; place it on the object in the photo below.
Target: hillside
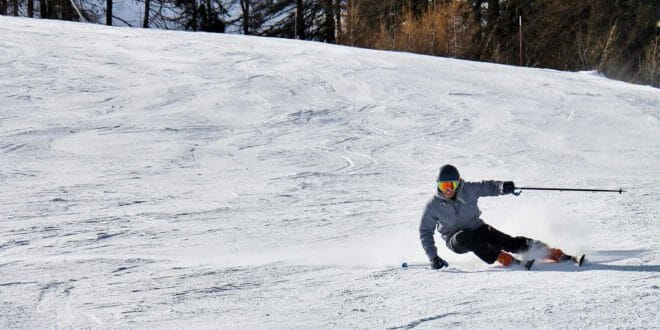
(170, 179)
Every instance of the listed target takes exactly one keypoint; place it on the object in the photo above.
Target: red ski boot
(507, 260)
(557, 255)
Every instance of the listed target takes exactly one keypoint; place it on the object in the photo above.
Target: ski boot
(557, 255)
(507, 260)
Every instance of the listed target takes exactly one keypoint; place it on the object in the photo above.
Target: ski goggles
(444, 185)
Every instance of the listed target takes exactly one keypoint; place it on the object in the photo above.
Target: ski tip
(528, 264)
(581, 260)
(404, 265)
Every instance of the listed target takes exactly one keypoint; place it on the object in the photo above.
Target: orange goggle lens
(444, 185)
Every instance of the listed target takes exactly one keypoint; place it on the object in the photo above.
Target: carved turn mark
(11, 147)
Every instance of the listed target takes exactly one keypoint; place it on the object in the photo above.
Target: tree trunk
(210, 13)
(338, 20)
(418, 7)
(476, 11)
(15, 7)
(67, 10)
(145, 22)
(108, 12)
(193, 21)
(245, 7)
(30, 8)
(493, 12)
(43, 11)
(3, 7)
(300, 20)
(329, 21)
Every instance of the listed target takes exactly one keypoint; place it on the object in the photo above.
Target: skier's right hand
(437, 263)
(508, 187)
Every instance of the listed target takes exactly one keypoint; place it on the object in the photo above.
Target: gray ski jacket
(449, 216)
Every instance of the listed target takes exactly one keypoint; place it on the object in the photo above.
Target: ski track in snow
(169, 179)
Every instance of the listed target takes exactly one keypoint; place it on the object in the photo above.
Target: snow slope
(169, 179)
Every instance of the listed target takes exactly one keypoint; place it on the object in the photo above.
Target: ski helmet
(448, 173)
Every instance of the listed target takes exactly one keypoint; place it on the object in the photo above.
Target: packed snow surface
(185, 180)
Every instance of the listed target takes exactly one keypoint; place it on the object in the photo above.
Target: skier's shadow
(600, 261)
(621, 268)
(591, 266)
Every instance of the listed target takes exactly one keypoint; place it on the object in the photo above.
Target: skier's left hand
(437, 263)
(508, 187)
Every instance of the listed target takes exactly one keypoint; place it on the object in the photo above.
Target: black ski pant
(487, 242)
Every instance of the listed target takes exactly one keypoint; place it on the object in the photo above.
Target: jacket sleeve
(426, 231)
(487, 188)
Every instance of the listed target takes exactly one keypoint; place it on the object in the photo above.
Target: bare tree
(245, 8)
(30, 8)
(147, 10)
(43, 8)
(300, 20)
(108, 12)
(652, 62)
(338, 5)
(329, 13)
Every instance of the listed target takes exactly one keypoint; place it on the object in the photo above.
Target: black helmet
(448, 173)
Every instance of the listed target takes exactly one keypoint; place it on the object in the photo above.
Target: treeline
(616, 37)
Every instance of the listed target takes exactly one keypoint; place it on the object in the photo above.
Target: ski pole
(520, 189)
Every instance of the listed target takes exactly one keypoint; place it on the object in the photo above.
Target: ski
(406, 265)
(527, 264)
(578, 261)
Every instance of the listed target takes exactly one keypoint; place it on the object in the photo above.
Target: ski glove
(437, 263)
(508, 187)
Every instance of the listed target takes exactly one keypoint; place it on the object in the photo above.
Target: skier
(454, 212)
